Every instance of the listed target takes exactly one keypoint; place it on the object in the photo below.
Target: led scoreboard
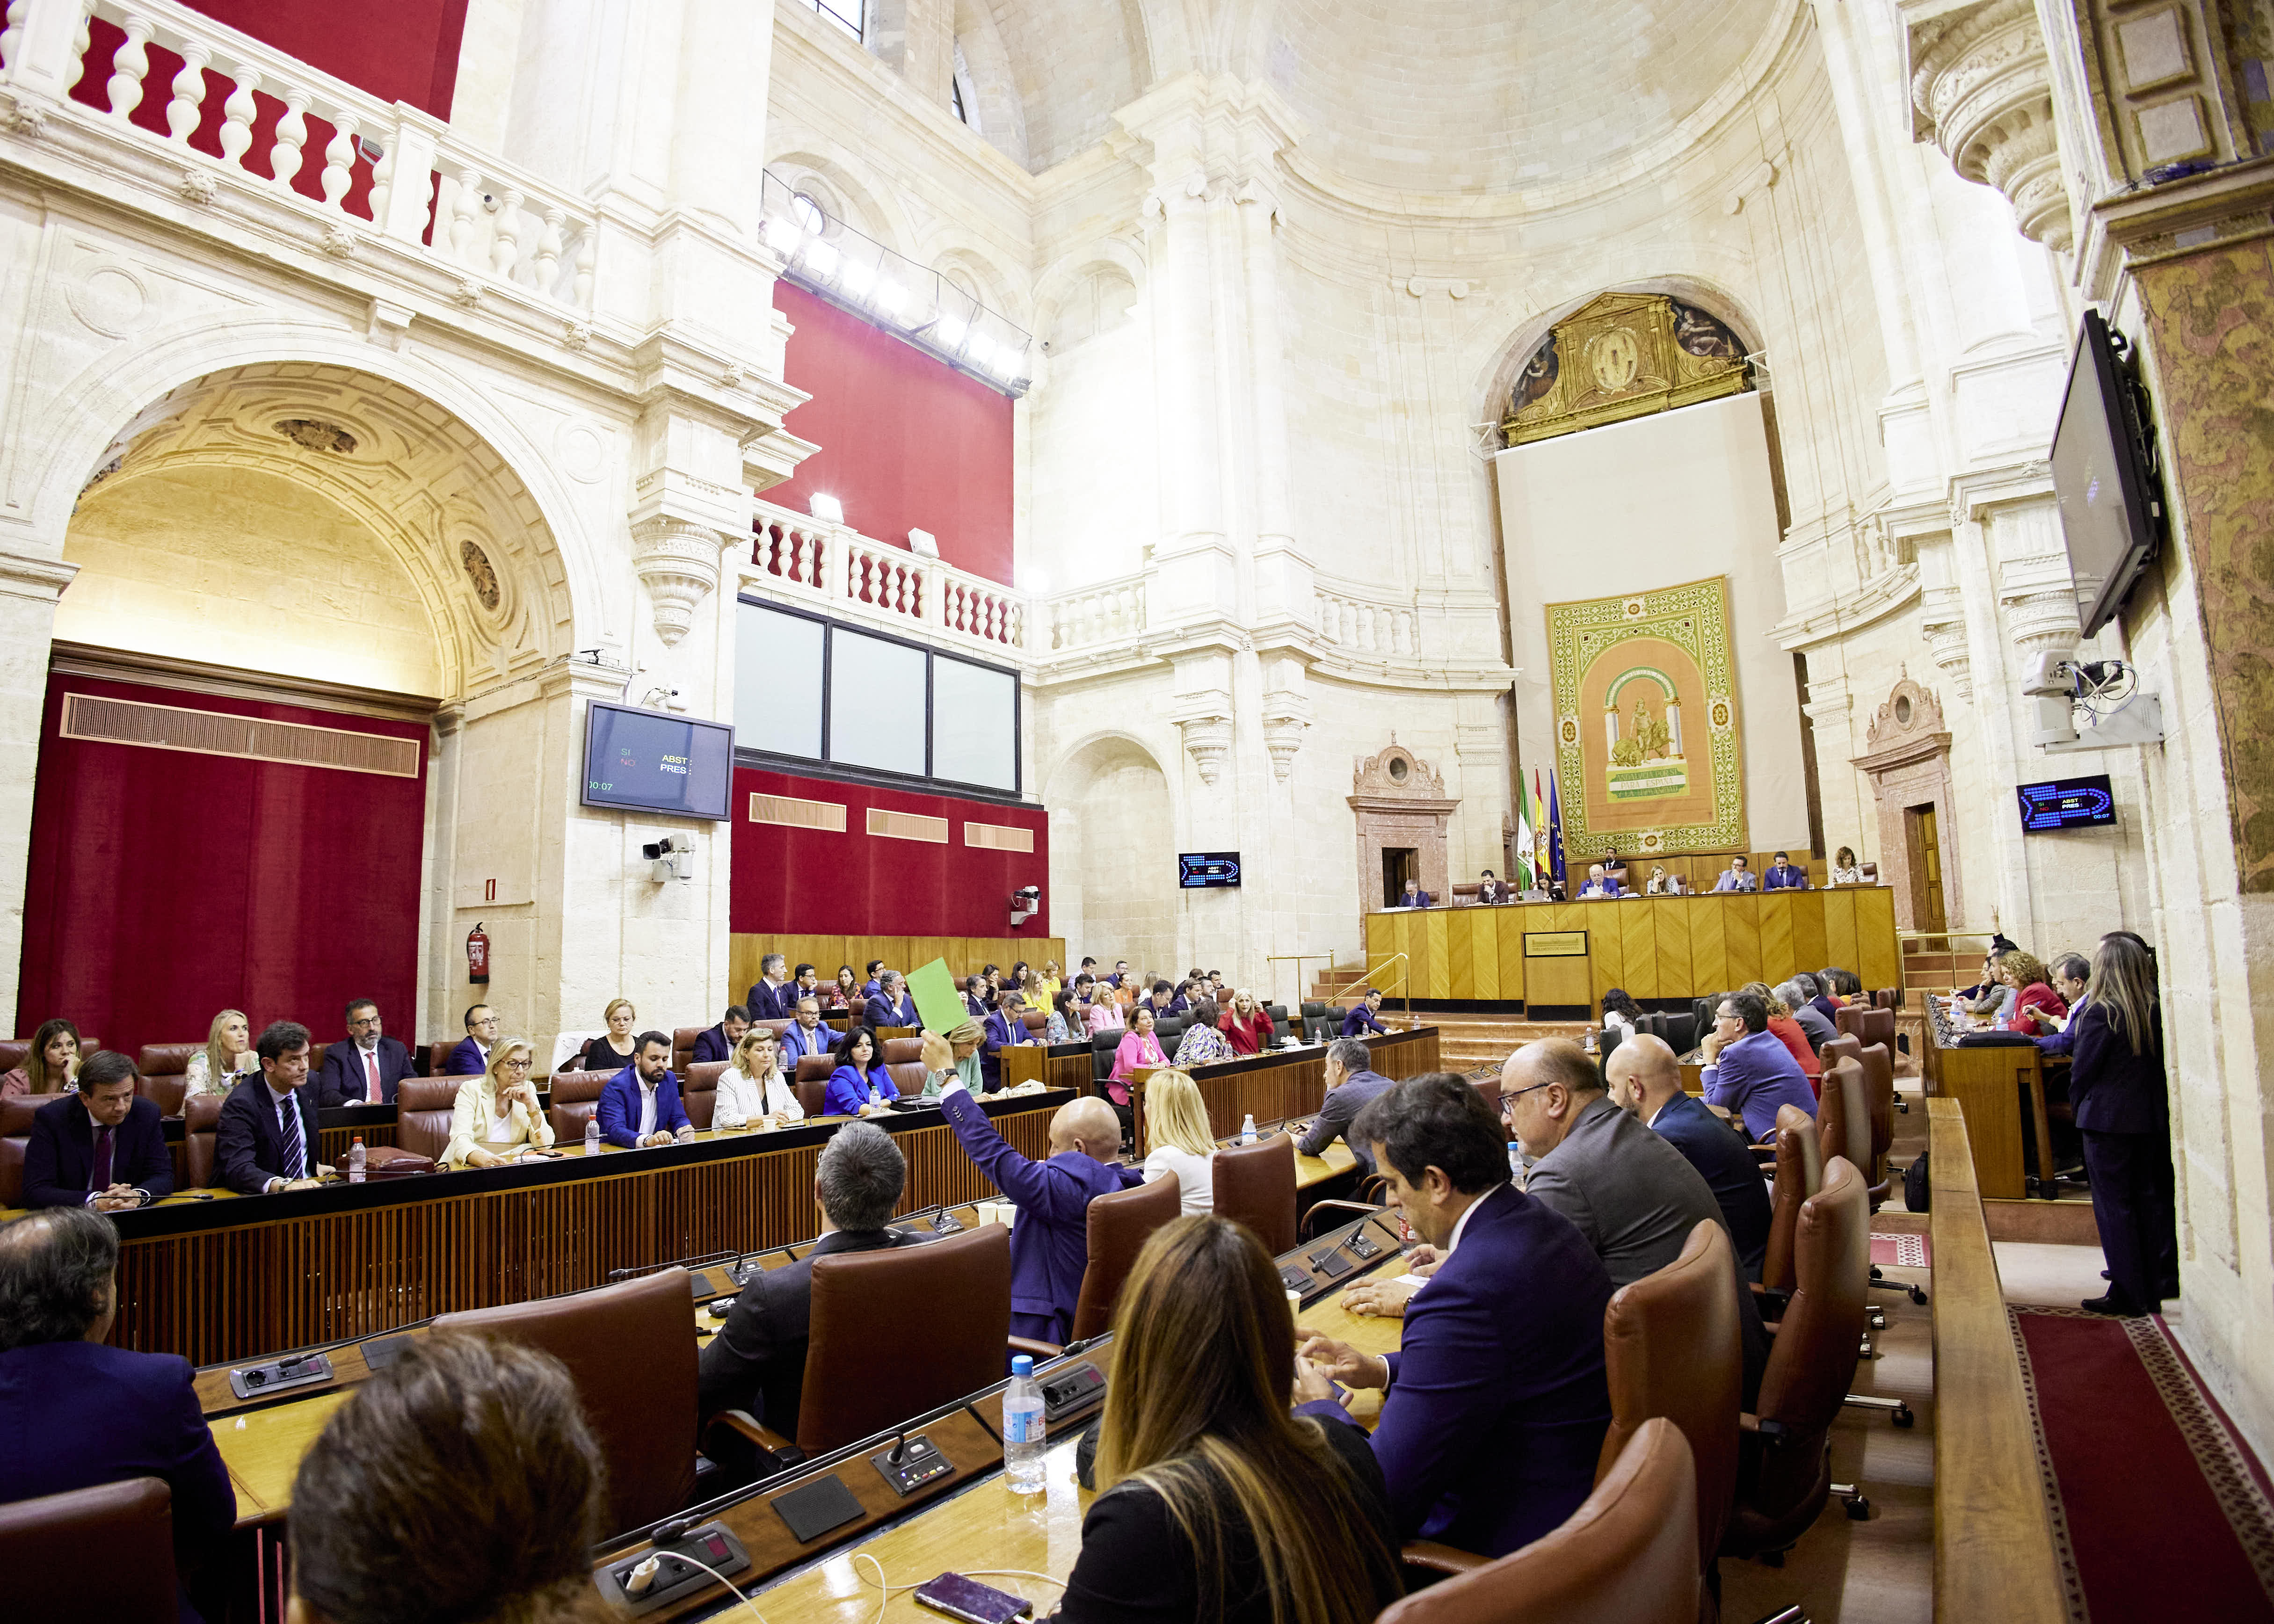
(650, 760)
(2066, 803)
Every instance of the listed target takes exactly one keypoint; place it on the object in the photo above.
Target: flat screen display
(2106, 496)
(649, 760)
(2066, 803)
(1208, 870)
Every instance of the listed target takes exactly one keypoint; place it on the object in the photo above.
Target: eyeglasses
(517, 1066)
(1507, 1100)
(488, 1020)
(363, 1020)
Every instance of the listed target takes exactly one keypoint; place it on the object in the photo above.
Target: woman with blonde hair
(1247, 1025)
(752, 1086)
(227, 1051)
(1104, 1010)
(1178, 1139)
(1214, 1502)
(2117, 1087)
(613, 1049)
(496, 1114)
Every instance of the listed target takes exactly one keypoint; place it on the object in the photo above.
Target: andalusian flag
(1522, 871)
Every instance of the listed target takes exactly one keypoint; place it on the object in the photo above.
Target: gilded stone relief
(2211, 325)
(1625, 355)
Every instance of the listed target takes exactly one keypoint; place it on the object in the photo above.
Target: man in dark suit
(74, 1413)
(756, 1362)
(1496, 1405)
(365, 1070)
(639, 1106)
(1783, 874)
(975, 997)
(1351, 1086)
(1050, 1245)
(804, 1036)
(1738, 876)
(1005, 1028)
(1365, 1015)
(1492, 891)
(1647, 1079)
(890, 1004)
(717, 1043)
(1599, 883)
(471, 1057)
(1414, 897)
(266, 1139)
(772, 995)
(99, 1147)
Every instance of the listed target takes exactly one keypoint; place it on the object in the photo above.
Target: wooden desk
(1993, 1550)
(1655, 947)
(1054, 1065)
(228, 1281)
(1990, 1084)
(1286, 1084)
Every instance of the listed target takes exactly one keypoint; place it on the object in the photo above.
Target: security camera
(2050, 680)
(1025, 902)
(671, 858)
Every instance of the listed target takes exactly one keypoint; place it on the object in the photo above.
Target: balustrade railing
(228, 104)
(842, 567)
(1104, 612)
(1366, 627)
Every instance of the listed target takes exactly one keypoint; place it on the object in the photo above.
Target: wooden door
(1926, 867)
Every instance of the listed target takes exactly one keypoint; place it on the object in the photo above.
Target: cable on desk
(722, 1579)
(884, 1592)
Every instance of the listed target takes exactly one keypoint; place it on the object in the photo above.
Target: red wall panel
(403, 50)
(811, 882)
(907, 442)
(166, 885)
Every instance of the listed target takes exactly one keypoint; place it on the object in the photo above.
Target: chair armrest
(1307, 1230)
(772, 1443)
(1041, 1350)
(1443, 1561)
(1768, 1431)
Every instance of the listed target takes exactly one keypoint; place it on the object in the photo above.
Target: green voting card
(938, 1005)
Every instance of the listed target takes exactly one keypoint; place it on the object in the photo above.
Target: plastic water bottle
(1247, 1129)
(592, 1134)
(354, 1161)
(1515, 1164)
(1023, 1442)
(875, 1098)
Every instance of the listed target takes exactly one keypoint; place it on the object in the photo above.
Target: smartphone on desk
(971, 1601)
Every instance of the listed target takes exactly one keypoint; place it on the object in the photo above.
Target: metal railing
(1405, 982)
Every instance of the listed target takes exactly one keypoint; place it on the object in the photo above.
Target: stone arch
(839, 182)
(1506, 360)
(407, 404)
(1113, 844)
(966, 266)
(1087, 293)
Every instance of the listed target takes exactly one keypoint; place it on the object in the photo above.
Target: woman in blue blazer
(858, 1070)
(2116, 1087)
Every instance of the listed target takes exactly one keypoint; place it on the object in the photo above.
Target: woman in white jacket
(752, 1085)
(1179, 1140)
(496, 1115)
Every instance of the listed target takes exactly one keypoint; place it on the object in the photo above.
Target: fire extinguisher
(477, 955)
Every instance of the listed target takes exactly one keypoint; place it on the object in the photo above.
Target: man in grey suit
(1632, 1194)
(1350, 1085)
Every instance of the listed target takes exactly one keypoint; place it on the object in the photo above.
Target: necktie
(371, 1072)
(101, 1181)
(296, 1154)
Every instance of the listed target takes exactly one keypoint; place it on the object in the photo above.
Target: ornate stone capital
(1286, 717)
(678, 561)
(1982, 90)
(1942, 626)
(1205, 719)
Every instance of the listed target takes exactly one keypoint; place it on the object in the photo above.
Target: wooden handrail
(1993, 1547)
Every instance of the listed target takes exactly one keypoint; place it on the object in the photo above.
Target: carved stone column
(677, 560)
(1982, 90)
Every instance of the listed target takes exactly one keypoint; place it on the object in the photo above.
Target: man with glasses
(1749, 1072)
(365, 1070)
(471, 1057)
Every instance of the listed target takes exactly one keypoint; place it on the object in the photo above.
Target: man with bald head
(1050, 1243)
(1646, 1080)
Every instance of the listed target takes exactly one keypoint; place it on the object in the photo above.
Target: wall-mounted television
(2066, 803)
(2105, 478)
(650, 760)
(1208, 870)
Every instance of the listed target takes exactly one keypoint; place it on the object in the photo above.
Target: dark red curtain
(907, 442)
(811, 882)
(166, 885)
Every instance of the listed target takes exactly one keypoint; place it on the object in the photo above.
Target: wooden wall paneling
(1606, 959)
(1637, 923)
(1840, 938)
(1484, 951)
(1508, 929)
(1775, 914)
(1879, 961)
(1808, 931)
(1460, 954)
(1408, 937)
(1740, 937)
(1434, 926)
(1670, 924)
(1709, 945)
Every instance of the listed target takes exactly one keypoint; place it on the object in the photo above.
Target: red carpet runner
(2160, 1512)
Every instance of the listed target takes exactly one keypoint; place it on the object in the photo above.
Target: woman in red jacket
(1246, 1026)
(2032, 985)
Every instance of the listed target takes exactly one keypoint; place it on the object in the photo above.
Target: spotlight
(826, 507)
(948, 333)
(891, 300)
(820, 258)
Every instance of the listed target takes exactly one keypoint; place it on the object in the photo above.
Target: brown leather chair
(162, 1067)
(16, 1116)
(698, 1091)
(1867, 1024)
(812, 1081)
(1784, 1474)
(1627, 1556)
(1878, 1063)
(683, 1046)
(1843, 1115)
(423, 1108)
(1037, 1022)
(576, 1099)
(902, 1051)
(629, 1348)
(201, 1126)
(1799, 1175)
(13, 1051)
(951, 1298)
(437, 1054)
(127, 1527)
(1671, 1349)
(1845, 1047)
(908, 1077)
(1254, 1184)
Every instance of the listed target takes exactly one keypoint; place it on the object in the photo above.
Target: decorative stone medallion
(479, 572)
(314, 434)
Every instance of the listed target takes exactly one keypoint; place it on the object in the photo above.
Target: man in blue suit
(773, 996)
(805, 1034)
(74, 1413)
(1782, 875)
(890, 1004)
(1748, 1069)
(365, 1070)
(2071, 976)
(1365, 1015)
(99, 1147)
(1050, 1245)
(1647, 1079)
(1353, 1083)
(639, 1105)
(717, 1043)
(1599, 883)
(1738, 876)
(1005, 1028)
(471, 1057)
(1497, 1404)
(1414, 897)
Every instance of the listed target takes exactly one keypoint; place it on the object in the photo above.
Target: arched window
(810, 215)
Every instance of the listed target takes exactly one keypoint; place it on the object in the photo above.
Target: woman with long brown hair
(1214, 1502)
(2117, 1089)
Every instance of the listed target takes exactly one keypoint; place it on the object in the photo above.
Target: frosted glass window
(975, 724)
(876, 703)
(777, 681)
